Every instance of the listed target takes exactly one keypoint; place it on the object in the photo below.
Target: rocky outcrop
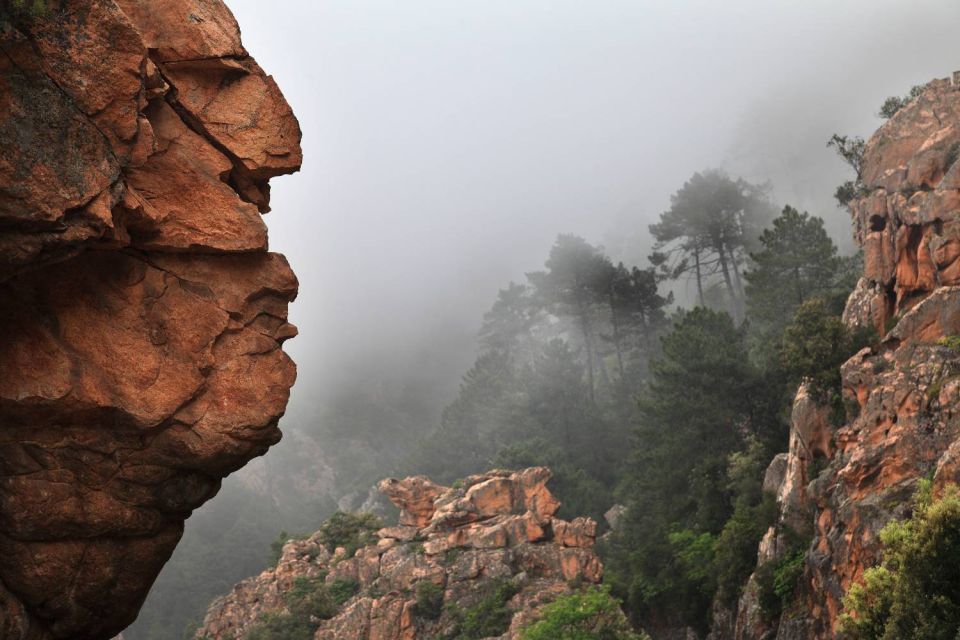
(498, 526)
(141, 316)
(903, 396)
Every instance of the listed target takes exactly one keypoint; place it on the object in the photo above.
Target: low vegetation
(592, 614)
(776, 583)
(308, 602)
(914, 593)
(893, 104)
(349, 530)
(429, 601)
(489, 617)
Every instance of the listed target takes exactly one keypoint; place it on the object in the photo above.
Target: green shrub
(349, 530)
(280, 626)
(429, 601)
(951, 342)
(489, 617)
(592, 614)
(735, 551)
(893, 104)
(22, 12)
(310, 598)
(914, 594)
(776, 583)
(787, 575)
(276, 547)
(814, 346)
(342, 589)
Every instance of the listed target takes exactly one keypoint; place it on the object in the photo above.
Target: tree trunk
(615, 323)
(734, 310)
(585, 328)
(799, 282)
(741, 299)
(696, 258)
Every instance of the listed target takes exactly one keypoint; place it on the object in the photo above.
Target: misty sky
(447, 142)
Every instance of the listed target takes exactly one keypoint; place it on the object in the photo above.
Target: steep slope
(495, 533)
(903, 396)
(141, 316)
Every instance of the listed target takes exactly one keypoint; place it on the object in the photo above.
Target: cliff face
(141, 316)
(904, 395)
(497, 527)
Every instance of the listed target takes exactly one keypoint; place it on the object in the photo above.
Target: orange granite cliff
(842, 484)
(141, 315)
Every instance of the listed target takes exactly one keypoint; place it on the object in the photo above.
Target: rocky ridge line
(498, 526)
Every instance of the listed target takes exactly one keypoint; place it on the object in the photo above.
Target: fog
(447, 143)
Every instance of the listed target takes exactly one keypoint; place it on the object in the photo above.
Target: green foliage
(798, 261)
(592, 614)
(776, 582)
(851, 150)
(280, 626)
(429, 601)
(489, 617)
(951, 342)
(711, 224)
(310, 598)
(814, 346)
(276, 547)
(915, 593)
(787, 575)
(736, 547)
(893, 104)
(307, 601)
(342, 589)
(706, 418)
(582, 493)
(563, 356)
(349, 530)
(23, 12)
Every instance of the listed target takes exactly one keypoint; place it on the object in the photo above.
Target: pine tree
(798, 261)
(573, 285)
(709, 226)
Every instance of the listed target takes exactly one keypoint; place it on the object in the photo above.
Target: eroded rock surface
(496, 526)
(141, 316)
(903, 396)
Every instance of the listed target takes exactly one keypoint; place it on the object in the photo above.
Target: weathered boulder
(414, 497)
(141, 316)
(510, 536)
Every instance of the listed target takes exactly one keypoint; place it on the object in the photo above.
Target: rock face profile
(495, 529)
(903, 396)
(141, 316)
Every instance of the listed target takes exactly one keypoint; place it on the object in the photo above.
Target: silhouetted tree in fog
(710, 225)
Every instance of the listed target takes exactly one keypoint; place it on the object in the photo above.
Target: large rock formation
(141, 315)
(497, 526)
(903, 395)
